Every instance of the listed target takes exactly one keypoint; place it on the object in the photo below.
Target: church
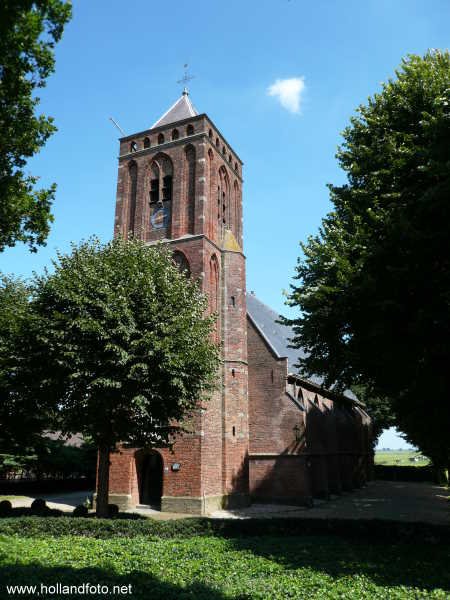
(267, 434)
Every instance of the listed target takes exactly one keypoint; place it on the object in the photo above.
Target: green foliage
(373, 286)
(126, 342)
(127, 347)
(21, 418)
(52, 458)
(29, 31)
(215, 568)
(131, 525)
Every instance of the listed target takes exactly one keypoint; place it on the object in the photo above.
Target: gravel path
(378, 500)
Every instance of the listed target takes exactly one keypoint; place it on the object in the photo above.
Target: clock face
(160, 218)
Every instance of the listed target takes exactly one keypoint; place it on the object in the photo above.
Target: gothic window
(190, 130)
(190, 188)
(237, 213)
(235, 166)
(211, 227)
(133, 146)
(217, 142)
(182, 263)
(229, 158)
(223, 193)
(154, 184)
(210, 133)
(161, 138)
(132, 176)
(161, 173)
(146, 142)
(214, 293)
(175, 134)
(223, 150)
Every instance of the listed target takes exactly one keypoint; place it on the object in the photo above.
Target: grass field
(410, 458)
(214, 568)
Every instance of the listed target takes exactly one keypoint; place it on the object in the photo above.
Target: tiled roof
(278, 337)
(181, 109)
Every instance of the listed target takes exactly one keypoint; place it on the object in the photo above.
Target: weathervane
(186, 77)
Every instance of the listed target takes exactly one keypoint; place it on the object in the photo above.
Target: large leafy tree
(22, 419)
(126, 347)
(29, 31)
(373, 285)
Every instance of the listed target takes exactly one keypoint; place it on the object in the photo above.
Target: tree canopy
(373, 286)
(29, 31)
(125, 345)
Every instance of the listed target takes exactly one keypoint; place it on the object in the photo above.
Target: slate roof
(181, 109)
(278, 337)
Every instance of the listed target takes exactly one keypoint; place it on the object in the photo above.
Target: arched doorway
(150, 478)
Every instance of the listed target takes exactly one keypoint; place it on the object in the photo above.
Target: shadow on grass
(143, 585)
(390, 564)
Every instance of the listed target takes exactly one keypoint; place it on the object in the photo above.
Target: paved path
(65, 501)
(378, 500)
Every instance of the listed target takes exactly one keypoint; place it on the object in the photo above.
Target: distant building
(268, 433)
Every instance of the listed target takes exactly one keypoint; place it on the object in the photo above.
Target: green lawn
(215, 568)
(401, 458)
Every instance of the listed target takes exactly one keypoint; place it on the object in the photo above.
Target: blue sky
(124, 59)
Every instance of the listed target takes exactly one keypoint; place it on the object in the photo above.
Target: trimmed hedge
(374, 530)
(404, 473)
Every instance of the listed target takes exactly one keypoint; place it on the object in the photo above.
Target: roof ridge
(187, 109)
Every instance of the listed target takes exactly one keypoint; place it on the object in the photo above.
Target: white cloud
(289, 92)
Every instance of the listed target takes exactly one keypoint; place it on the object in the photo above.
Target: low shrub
(80, 511)
(374, 530)
(5, 508)
(38, 506)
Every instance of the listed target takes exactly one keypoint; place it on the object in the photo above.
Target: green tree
(126, 345)
(28, 34)
(22, 419)
(373, 285)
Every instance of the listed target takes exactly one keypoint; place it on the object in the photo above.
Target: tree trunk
(102, 481)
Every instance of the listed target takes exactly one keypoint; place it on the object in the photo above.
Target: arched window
(217, 142)
(223, 150)
(132, 189)
(229, 158)
(182, 263)
(235, 166)
(236, 212)
(161, 172)
(133, 146)
(190, 130)
(210, 133)
(146, 142)
(154, 183)
(223, 199)
(211, 208)
(161, 138)
(214, 293)
(175, 134)
(190, 188)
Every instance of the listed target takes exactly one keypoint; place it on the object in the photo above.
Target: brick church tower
(181, 183)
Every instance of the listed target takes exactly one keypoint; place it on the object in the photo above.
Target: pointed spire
(181, 109)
